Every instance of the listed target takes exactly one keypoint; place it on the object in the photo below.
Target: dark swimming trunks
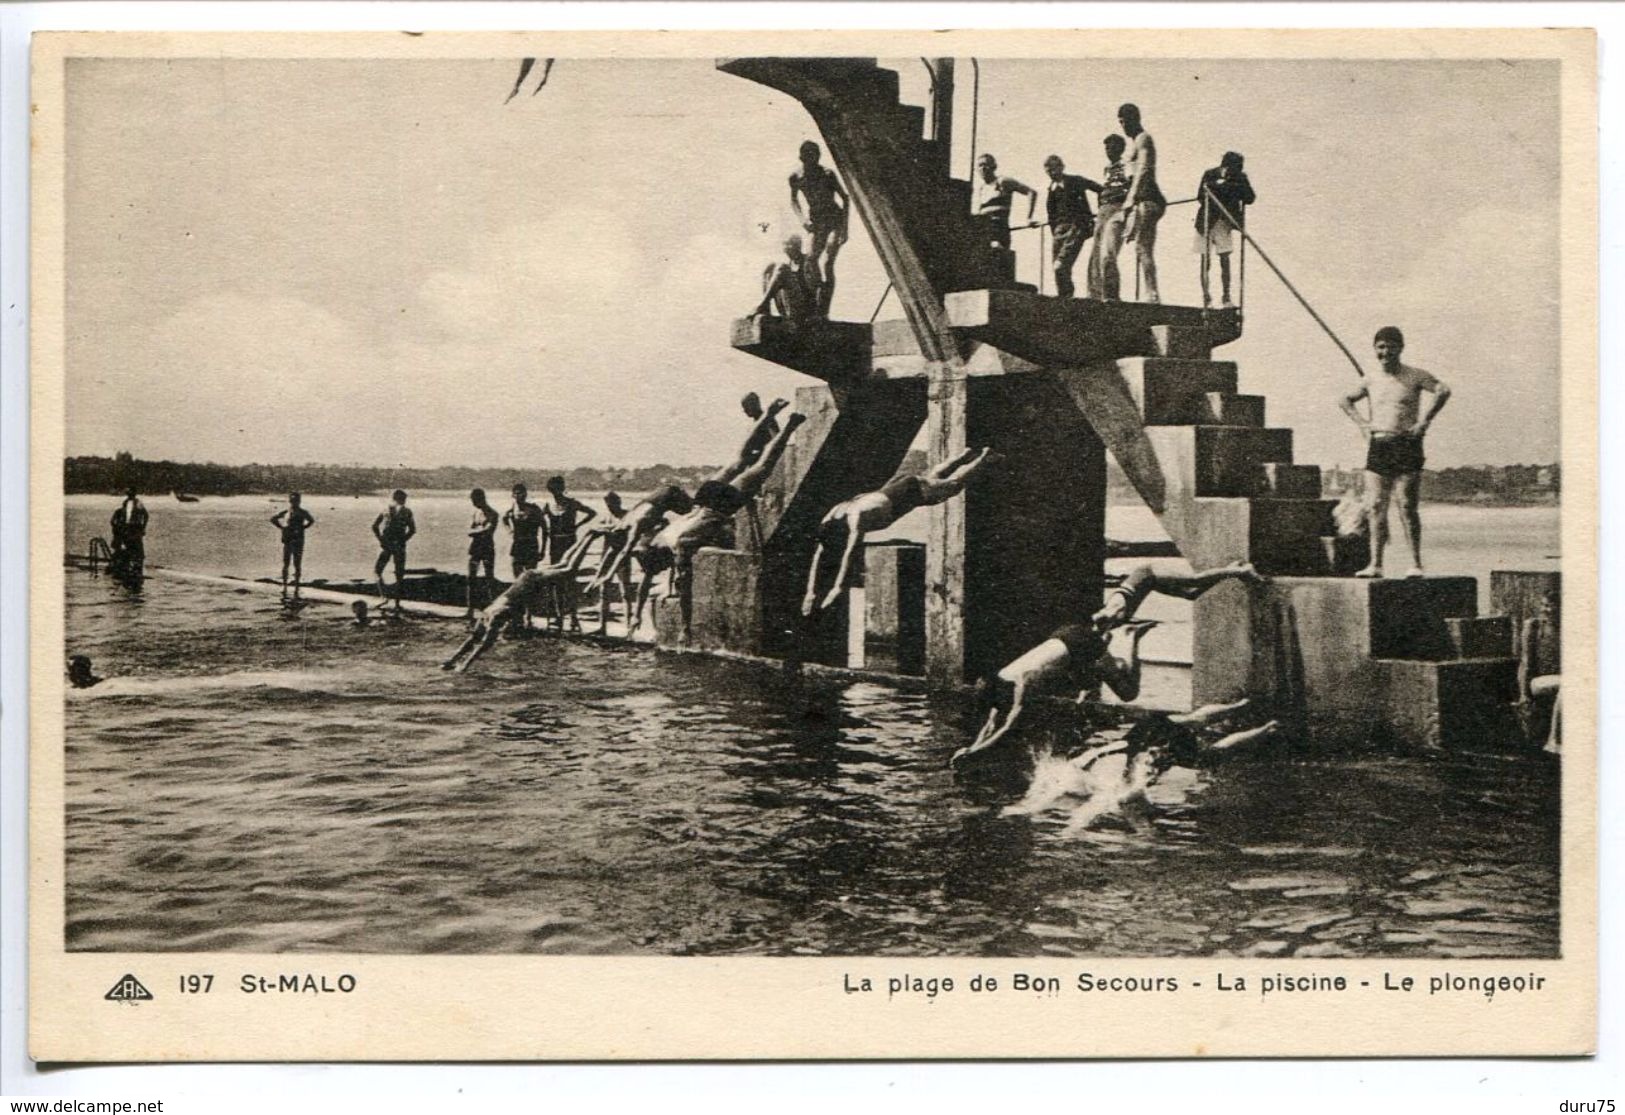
(905, 493)
(1394, 454)
(1177, 742)
(1082, 641)
(724, 499)
(558, 545)
(391, 552)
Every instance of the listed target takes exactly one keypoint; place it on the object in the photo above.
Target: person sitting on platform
(1077, 656)
(824, 219)
(1223, 190)
(993, 197)
(843, 528)
(715, 503)
(529, 592)
(791, 287)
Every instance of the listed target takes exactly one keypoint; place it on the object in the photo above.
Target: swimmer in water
(527, 592)
(359, 610)
(1077, 656)
(715, 503)
(846, 523)
(79, 672)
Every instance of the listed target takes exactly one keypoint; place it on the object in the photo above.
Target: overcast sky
(378, 262)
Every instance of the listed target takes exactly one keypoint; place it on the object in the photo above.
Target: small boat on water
(184, 498)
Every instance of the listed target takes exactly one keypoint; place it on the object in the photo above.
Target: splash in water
(1102, 783)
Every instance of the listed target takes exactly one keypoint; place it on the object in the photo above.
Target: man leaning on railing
(1224, 192)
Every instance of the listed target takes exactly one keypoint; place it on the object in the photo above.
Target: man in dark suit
(1070, 220)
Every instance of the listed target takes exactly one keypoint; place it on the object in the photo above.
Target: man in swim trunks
(1145, 203)
(394, 528)
(528, 592)
(844, 526)
(1077, 656)
(482, 550)
(761, 434)
(993, 197)
(791, 287)
(1394, 435)
(613, 529)
(293, 520)
(825, 218)
(562, 518)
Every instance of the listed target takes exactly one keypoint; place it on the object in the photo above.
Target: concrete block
(1287, 481)
(1480, 636)
(1346, 554)
(1182, 342)
(1174, 392)
(1217, 460)
(668, 621)
(1282, 537)
(1524, 595)
(1223, 409)
(894, 607)
(1450, 706)
(726, 611)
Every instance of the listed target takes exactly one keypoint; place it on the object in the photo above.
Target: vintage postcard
(819, 545)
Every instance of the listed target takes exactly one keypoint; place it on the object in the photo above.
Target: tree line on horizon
(113, 475)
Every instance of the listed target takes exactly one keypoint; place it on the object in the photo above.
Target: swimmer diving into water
(843, 528)
(1077, 656)
(528, 591)
(715, 503)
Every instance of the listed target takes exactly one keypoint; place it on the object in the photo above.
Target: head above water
(1115, 144)
(399, 496)
(751, 404)
(359, 610)
(79, 671)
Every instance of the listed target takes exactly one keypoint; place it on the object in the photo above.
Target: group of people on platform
(1131, 206)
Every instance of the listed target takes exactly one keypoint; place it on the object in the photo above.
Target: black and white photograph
(916, 509)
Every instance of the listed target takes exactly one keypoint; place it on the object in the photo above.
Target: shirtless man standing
(394, 528)
(1145, 203)
(823, 219)
(292, 521)
(1394, 443)
(482, 550)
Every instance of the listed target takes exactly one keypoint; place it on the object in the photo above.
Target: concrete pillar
(1532, 595)
(1022, 550)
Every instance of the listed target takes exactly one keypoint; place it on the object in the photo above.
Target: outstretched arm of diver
(989, 736)
(809, 602)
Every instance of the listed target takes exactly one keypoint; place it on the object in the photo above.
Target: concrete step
(1284, 481)
(1465, 705)
(959, 194)
(1225, 409)
(1282, 537)
(1346, 554)
(1171, 392)
(878, 84)
(1182, 342)
(1480, 636)
(1219, 460)
(910, 121)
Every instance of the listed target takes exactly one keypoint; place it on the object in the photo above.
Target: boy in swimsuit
(562, 517)
(293, 521)
(394, 528)
(526, 593)
(646, 518)
(843, 528)
(482, 550)
(824, 219)
(1077, 655)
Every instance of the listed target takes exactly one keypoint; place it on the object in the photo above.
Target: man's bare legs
(946, 480)
(1408, 489)
(1382, 488)
(1188, 586)
(742, 463)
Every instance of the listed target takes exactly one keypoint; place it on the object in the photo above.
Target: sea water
(257, 779)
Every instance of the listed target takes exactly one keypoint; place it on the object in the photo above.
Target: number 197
(196, 985)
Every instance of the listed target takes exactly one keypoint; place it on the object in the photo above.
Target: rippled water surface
(249, 779)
